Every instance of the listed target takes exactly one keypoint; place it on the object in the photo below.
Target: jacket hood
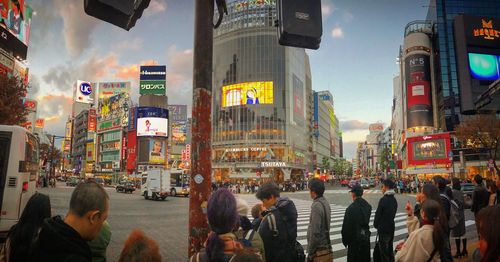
(390, 192)
(58, 237)
(286, 206)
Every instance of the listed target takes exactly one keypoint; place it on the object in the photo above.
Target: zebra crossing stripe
(400, 217)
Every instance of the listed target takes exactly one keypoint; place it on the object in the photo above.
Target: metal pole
(200, 182)
(52, 167)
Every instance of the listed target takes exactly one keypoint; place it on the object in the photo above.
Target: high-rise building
(442, 14)
(321, 122)
(261, 98)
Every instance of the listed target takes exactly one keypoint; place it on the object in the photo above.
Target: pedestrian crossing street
(343, 191)
(337, 217)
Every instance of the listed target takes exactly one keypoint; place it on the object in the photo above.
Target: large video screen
(431, 149)
(152, 126)
(484, 66)
(249, 93)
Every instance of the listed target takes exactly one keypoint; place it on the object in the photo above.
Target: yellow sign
(249, 93)
(487, 32)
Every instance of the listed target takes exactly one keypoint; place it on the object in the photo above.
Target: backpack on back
(296, 248)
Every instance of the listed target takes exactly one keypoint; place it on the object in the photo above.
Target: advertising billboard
(113, 111)
(157, 154)
(177, 113)
(298, 101)
(484, 66)
(30, 104)
(6, 62)
(92, 120)
(131, 150)
(179, 131)
(153, 72)
(376, 128)
(67, 133)
(152, 80)
(429, 150)
(84, 92)
(477, 49)
(90, 152)
(152, 126)
(109, 89)
(15, 23)
(418, 91)
(132, 118)
(248, 93)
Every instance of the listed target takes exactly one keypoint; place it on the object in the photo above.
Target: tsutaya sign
(273, 164)
(247, 149)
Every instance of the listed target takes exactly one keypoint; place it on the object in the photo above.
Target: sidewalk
(471, 246)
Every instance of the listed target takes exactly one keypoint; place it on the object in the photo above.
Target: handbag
(376, 251)
(325, 254)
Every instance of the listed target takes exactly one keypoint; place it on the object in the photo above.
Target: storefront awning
(428, 171)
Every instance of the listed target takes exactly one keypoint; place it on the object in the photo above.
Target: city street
(167, 221)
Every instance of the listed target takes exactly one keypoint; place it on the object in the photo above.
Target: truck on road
(155, 184)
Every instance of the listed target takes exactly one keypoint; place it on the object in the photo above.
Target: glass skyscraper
(442, 13)
(261, 98)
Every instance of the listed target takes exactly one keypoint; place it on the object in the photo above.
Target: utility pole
(52, 167)
(201, 166)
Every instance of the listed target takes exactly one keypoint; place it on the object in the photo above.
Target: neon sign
(487, 32)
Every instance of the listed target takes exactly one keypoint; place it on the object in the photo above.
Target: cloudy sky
(356, 60)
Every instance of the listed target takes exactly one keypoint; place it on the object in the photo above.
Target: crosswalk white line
(337, 216)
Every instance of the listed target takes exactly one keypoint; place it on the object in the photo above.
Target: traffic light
(299, 23)
(122, 13)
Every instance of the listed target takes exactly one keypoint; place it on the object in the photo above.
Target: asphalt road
(167, 221)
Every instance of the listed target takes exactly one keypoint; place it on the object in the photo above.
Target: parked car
(352, 183)
(127, 187)
(371, 181)
(72, 181)
(344, 182)
(365, 184)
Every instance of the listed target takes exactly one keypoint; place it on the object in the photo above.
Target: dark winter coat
(279, 245)
(60, 242)
(385, 214)
(356, 231)
(480, 199)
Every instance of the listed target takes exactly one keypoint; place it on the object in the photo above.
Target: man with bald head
(66, 240)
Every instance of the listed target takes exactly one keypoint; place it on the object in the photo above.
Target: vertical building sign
(298, 101)
(131, 150)
(418, 91)
(92, 121)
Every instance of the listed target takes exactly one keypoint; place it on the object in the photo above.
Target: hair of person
(246, 255)
(489, 230)
(22, 234)
(256, 211)
(431, 192)
(317, 186)
(222, 218)
(388, 183)
(433, 212)
(440, 181)
(478, 179)
(492, 186)
(86, 197)
(268, 190)
(138, 247)
(456, 184)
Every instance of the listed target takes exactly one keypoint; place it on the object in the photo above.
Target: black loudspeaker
(122, 13)
(299, 23)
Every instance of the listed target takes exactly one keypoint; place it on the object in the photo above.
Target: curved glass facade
(260, 96)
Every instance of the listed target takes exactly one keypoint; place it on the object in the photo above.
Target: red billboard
(131, 150)
(92, 121)
(429, 150)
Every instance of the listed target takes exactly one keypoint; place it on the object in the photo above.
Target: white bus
(19, 160)
(179, 182)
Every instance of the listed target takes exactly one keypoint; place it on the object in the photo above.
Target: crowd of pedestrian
(84, 234)
(253, 187)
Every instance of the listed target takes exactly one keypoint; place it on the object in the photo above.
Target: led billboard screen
(429, 150)
(152, 126)
(484, 67)
(249, 93)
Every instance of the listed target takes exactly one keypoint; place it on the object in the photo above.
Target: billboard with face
(249, 93)
(157, 151)
(298, 101)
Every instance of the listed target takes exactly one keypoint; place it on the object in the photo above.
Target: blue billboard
(153, 73)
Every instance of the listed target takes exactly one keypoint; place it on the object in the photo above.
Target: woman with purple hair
(223, 219)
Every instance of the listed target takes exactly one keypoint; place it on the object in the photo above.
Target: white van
(19, 160)
(179, 182)
(155, 184)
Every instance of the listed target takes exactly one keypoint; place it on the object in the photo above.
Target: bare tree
(481, 131)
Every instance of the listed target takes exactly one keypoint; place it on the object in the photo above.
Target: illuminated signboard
(429, 150)
(487, 31)
(157, 151)
(249, 93)
(484, 67)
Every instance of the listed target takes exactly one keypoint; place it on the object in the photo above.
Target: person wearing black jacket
(480, 198)
(278, 228)
(355, 228)
(441, 183)
(66, 240)
(384, 223)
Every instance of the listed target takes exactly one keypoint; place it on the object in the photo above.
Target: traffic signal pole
(201, 166)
